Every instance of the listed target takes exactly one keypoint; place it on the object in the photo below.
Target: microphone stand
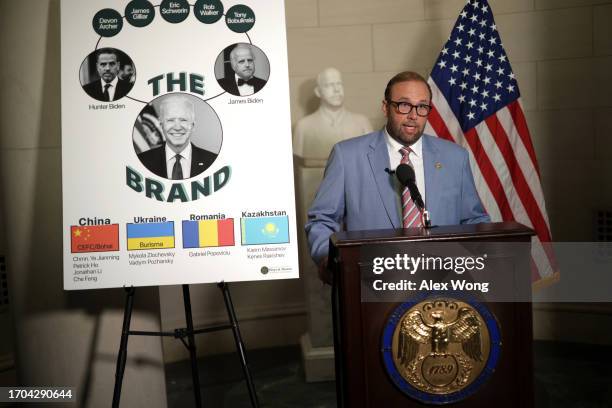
(425, 219)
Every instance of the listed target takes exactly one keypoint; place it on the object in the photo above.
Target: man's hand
(325, 274)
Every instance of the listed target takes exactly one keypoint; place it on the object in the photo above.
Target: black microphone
(405, 175)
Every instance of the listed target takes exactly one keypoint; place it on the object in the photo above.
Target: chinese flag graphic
(94, 238)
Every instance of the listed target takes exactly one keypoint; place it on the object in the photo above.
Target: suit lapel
(431, 158)
(198, 161)
(379, 161)
(162, 161)
(234, 86)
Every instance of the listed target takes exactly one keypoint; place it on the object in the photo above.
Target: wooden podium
(361, 377)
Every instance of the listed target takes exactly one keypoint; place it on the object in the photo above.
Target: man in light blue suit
(359, 193)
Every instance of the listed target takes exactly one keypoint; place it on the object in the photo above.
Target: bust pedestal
(317, 343)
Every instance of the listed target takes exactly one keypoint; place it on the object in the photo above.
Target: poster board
(143, 82)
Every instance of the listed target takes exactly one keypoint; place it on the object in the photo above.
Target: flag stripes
(476, 103)
(498, 180)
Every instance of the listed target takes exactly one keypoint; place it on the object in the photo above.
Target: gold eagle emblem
(440, 346)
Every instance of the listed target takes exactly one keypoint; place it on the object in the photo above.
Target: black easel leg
(122, 355)
(192, 347)
(239, 344)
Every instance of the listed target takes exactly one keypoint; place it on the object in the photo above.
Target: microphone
(405, 175)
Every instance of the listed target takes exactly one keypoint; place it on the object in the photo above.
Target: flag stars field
(468, 40)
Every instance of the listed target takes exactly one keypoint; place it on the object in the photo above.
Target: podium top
(486, 231)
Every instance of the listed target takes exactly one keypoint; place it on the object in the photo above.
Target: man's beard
(406, 139)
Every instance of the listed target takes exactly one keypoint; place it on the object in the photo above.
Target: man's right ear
(385, 108)
(317, 92)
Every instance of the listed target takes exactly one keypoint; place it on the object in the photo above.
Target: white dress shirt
(245, 89)
(416, 158)
(111, 89)
(185, 160)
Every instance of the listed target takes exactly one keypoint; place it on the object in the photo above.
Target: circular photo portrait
(177, 136)
(107, 74)
(242, 69)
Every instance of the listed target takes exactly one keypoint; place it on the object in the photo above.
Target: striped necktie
(411, 215)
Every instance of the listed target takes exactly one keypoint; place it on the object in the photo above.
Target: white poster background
(97, 147)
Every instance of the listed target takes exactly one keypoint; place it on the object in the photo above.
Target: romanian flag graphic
(208, 233)
(264, 230)
(154, 235)
(94, 238)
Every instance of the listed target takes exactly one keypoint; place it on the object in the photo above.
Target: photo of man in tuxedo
(177, 158)
(241, 79)
(107, 86)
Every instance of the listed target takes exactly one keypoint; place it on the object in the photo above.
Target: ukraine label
(157, 235)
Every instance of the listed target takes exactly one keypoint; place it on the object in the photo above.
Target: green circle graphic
(208, 11)
(240, 18)
(107, 22)
(139, 13)
(174, 11)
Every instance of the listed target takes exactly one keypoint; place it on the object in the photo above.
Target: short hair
(405, 77)
(326, 70)
(180, 99)
(243, 46)
(107, 51)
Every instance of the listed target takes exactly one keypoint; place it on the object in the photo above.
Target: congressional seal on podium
(440, 350)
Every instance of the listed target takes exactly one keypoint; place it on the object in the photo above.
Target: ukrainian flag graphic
(154, 235)
(265, 230)
(208, 233)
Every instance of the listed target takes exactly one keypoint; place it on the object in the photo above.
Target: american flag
(147, 132)
(477, 104)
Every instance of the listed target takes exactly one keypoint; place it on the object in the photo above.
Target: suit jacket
(155, 160)
(94, 89)
(358, 192)
(230, 85)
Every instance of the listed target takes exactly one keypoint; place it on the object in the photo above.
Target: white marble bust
(315, 134)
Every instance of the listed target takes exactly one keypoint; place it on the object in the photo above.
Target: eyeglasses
(406, 107)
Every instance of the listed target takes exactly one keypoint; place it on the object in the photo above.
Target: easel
(180, 334)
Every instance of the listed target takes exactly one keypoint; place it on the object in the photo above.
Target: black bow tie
(242, 82)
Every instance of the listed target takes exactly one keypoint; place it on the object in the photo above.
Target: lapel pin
(438, 166)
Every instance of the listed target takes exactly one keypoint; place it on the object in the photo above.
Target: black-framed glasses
(406, 107)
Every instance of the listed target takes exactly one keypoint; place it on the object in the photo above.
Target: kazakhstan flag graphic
(265, 230)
